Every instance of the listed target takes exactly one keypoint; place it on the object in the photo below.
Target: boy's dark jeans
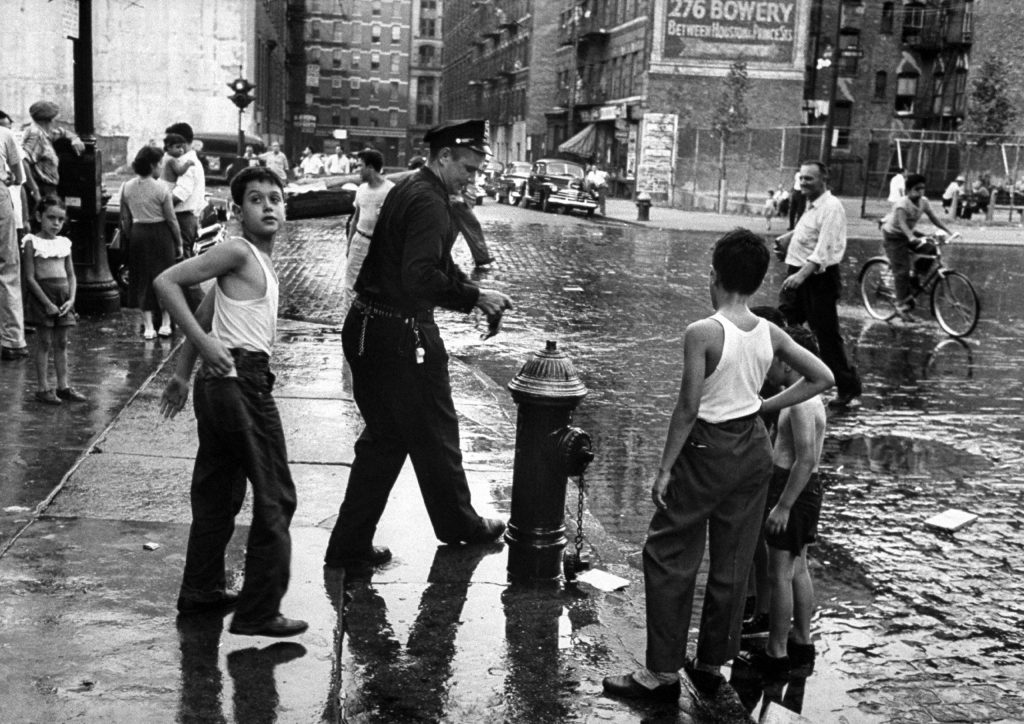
(240, 437)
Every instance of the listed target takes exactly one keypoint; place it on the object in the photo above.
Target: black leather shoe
(489, 530)
(12, 353)
(278, 627)
(627, 686)
(375, 556)
(222, 604)
(705, 682)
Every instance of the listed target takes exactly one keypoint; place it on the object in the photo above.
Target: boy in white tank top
(714, 477)
(240, 432)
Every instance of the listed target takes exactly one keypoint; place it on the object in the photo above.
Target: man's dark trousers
(814, 302)
(240, 437)
(188, 222)
(408, 411)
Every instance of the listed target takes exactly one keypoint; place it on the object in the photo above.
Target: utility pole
(81, 185)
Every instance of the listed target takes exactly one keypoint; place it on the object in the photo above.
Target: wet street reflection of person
(410, 683)
(399, 363)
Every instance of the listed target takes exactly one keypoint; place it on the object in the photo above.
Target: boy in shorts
(714, 476)
(240, 433)
(791, 523)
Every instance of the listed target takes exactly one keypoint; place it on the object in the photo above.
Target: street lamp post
(81, 185)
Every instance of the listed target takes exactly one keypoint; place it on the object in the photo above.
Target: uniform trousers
(716, 492)
(815, 302)
(240, 437)
(408, 411)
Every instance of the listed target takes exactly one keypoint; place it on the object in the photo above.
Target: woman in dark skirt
(154, 238)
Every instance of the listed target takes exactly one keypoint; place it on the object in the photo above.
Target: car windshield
(518, 168)
(564, 169)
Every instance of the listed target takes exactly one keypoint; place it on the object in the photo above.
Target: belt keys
(420, 352)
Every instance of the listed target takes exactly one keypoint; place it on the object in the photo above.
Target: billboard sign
(760, 30)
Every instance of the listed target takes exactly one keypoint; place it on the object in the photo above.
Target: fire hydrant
(548, 450)
(643, 206)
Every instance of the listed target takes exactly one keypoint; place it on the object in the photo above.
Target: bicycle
(954, 302)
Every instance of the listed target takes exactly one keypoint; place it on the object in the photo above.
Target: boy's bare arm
(175, 395)
(220, 261)
(816, 376)
(696, 341)
(802, 427)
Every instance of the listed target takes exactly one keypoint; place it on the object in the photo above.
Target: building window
(374, 121)
(906, 93)
(938, 86)
(339, 33)
(353, 120)
(960, 85)
(376, 8)
(844, 116)
(426, 53)
(357, 33)
(881, 81)
(357, 58)
(354, 84)
(314, 30)
(888, 17)
(313, 55)
(424, 114)
(428, 5)
(393, 119)
(968, 22)
(314, 6)
(849, 54)
(396, 33)
(396, 64)
(336, 116)
(375, 33)
(337, 59)
(375, 60)
(374, 88)
(427, 27)
(913, 21)
(394, 90)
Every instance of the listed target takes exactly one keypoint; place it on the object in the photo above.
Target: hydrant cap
(643, 196)
(549, 375)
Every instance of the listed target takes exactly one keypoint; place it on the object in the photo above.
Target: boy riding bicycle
(900, 237)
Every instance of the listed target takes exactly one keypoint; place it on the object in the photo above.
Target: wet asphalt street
(914, 625)
(930, 623)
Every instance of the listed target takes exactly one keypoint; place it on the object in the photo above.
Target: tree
(990, 112)
(731, 117)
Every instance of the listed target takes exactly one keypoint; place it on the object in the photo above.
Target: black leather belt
(374, 308)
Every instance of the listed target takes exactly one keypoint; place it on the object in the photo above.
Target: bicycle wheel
(877, 289)
(955, 304)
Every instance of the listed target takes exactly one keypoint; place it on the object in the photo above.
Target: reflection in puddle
(899, 455)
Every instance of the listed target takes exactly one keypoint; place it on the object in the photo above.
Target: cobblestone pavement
(916, 626)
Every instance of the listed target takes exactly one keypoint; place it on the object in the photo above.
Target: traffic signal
(241, 96)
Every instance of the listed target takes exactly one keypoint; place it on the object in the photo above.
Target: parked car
(320, 196)
(558, 184)
(219, 154)
(491, 172)
(511, 187)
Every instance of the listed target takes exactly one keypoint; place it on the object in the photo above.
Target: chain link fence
(863, 161)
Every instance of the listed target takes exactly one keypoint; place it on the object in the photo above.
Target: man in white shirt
(189, 192)
(339, 163)
(897, 186)
(276, 161)
(369, 198)
(810, 292)
(12, 320)
(597, 182)
(312, 164)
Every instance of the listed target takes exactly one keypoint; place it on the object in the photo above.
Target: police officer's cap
(465, 133)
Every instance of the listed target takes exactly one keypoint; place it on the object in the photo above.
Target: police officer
(399, 363)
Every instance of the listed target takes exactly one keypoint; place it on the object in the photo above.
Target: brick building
(353, 89)
(497, 57)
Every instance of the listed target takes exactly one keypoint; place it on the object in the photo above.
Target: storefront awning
(582, 144)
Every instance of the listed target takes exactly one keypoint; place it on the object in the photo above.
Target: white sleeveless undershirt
(731, 391)
(249, 324)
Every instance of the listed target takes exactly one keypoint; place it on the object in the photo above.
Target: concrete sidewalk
(973, 231)
(437, 635)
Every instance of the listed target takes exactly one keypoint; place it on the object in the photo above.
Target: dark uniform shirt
(409, 265)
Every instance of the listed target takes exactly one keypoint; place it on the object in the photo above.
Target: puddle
(901, 455)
